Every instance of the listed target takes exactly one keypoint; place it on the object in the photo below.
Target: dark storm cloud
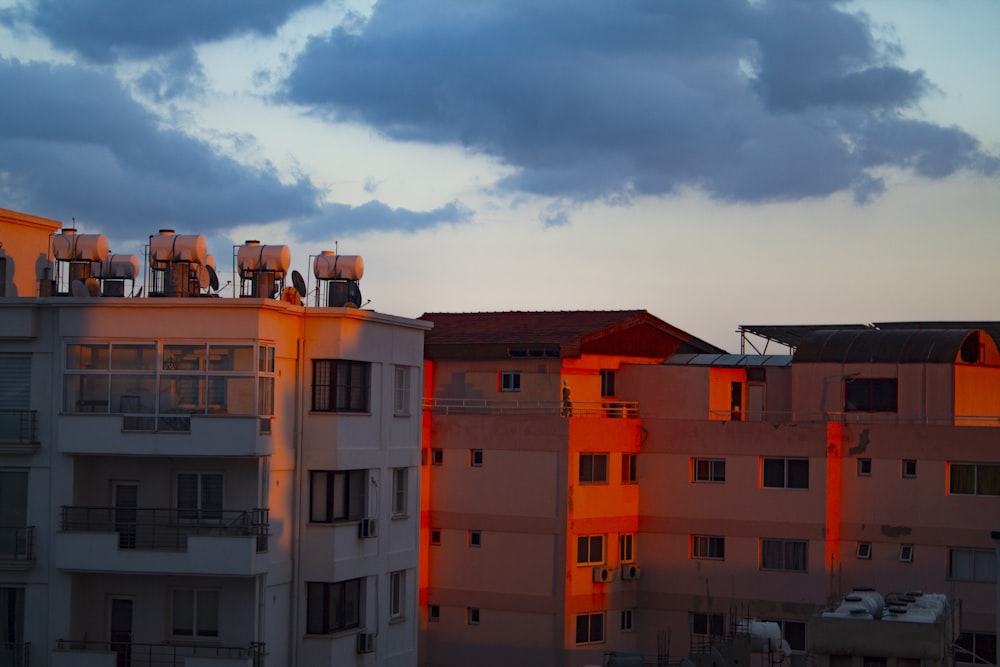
(76, 145)
(105, 30)
(374, 216)
(590, 99)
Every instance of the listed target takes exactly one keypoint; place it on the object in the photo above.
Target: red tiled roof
(520, 327)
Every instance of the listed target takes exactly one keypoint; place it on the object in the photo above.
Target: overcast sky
(716, 163)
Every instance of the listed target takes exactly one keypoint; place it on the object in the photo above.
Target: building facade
(197, 480)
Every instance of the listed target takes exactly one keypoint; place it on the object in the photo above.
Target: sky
(715, 163)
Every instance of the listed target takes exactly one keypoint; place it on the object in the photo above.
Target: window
(870, 395)
(14, 543)
(908, 468)
(401, 391)
(785, 555)
(864, 467)
(397, 593)
(972, 565)
(589, 549)
(793, 632)
(340, 385)
(333, 607)
(627, 624)
(437, 457)
(15, 394)
(510, 381)
(199, 496)
(626, 547)
(708, 470)
(593, 468)
(607, 383)
(978, 648)
(400, 491)
(785, 473)
(475, 538)
(433, 613)
(476, 458)
(195, 613)
(629, 471)
(906, 553)
(864, 550)
(11, 621)
(337, 495)
(709, 625)
(472, 615)
(708, 546)
(436, 536)
(590, 628)
(976, 479)
(265, 380)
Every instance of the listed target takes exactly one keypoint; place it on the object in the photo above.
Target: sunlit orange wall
(977, 387)
(720, 391)
(24, 242)
(425, 493)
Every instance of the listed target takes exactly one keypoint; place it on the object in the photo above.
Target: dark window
(437, 457)
(593, 468)
(590, 628)
(789, 555)
(627, 620)
(785, 473)
(332, 607)
(510, 381)
(472, 615)
(864, 467)
(864, 550)
(870, 395)
(590, 550)
(626, 547)
(475, 538)
(708, 546)
(607, 384)
(433, 612)
(337, 495)
(974, 479)
(436, 536)
(978, 648)
(709, 470)
(476, 458)
(629, 470)
(972, 565)
(707, 624)
(340, 386)
(909, 468)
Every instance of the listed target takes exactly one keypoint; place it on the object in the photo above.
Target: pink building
(761, 486)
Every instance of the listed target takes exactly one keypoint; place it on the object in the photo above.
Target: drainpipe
(298, 477)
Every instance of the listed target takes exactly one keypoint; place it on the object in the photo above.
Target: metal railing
(148, 529)
(17, 543)
(481, 406)
(15, 654)
(160, 655)
(859, 417)
(18, 427)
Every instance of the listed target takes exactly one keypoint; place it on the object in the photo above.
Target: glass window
(972, 565)
(510, 381)
(626, 547)
(870, 395)
(708, 546)
(788, 555)
(590, 549)
(399, 491)
(397, 592)
(781, 473)
(337, 495)
(607, 383)
(340, 385)
(199, 496)
(629, 469)
(590, 628)
(195, 613)
(709, 470)
(332, 607)
(979, 479)
(709, 625)
(593, 468)
(401, 391)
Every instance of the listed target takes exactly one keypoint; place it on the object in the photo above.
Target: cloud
(105, 30)
(747, 101)
(76, 145)
(343, 220)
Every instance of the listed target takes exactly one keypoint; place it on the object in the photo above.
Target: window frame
(707, 547)
(588, 472)
(437, 456)
(335, 594)
(787, 555)
(628, 620)
(976, 479)
(864, 467)
(905, 553)
(626, 548)
(476, 458)
(630, 468)
(472, 615)
(401, 391)
(332, 393)
(397, 595)
(975, 555)
(585, 556)
(592, 626)
(865, 394)
(476, 539)
(354, 503)
(433, 613)
(435, 537)
(400, 492)
(972, 637)
(787, 476)
(714, 624)
(509, 381)
(197, 511)
(712, 470)
(908, 468)
(608, 381)
(197, 610)
(863, 551)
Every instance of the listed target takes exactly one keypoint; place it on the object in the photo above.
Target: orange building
(529, 488)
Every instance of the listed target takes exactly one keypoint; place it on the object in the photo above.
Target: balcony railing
(480, 406)
(17, 427)
(853, 417)
(146, 529)
(17, 543)
(160, 655)
(14, 654)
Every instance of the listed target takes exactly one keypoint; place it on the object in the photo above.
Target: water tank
(68, 246)
(170, 247)
(252, 256)
(120, 266)
(331, 266)
(765, 636)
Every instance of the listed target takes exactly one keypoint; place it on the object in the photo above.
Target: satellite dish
(78, 288)
(213, 278)
(203, 277)
(300, 284)
(353, 295)
(93, 287)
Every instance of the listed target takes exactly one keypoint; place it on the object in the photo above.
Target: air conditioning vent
(602, 575)
(630, 571)
(366, 528)
(366, 643)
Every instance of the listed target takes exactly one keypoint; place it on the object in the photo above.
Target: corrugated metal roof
(898, 346)
(791, 334)
(730, 360)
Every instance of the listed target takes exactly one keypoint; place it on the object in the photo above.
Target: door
(120, 630)
(126, 498)
(755, 402)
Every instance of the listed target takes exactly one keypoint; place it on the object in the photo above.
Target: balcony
(18, 432)
(17, 551)
(14, 654)
(479, 406)
(110, 654)
(162, 540)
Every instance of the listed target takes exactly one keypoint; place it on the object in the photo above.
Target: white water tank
(330, 266)
(252, 256)
(170, 247)
(120, 266)
(765, 636)
(68, 246)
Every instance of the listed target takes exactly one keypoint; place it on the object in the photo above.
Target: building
(530, 495)
(191, 479)
(703, 488)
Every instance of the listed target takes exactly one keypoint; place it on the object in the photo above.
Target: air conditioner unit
(630, 571)
(602, 575)
(366, 643)
(366, 528)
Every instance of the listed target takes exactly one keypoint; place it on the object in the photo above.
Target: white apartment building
(187, 479)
